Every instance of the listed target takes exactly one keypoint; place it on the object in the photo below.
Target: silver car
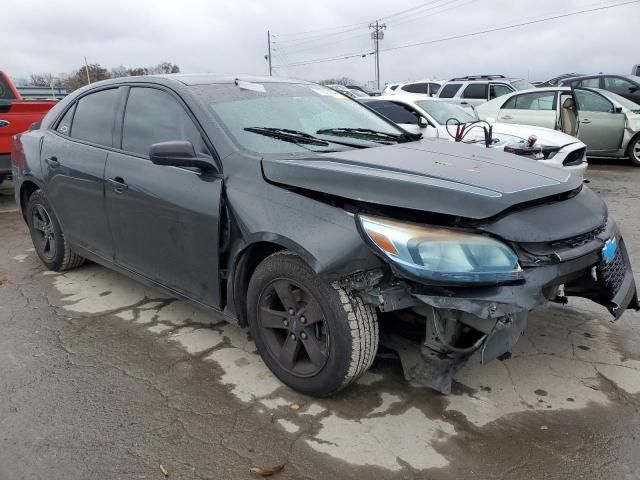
(606, 122)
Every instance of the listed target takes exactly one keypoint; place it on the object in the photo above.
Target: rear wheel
(47, 236)
(634, 151)
(315, 337)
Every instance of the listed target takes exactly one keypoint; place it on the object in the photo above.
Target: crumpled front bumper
(500, 312)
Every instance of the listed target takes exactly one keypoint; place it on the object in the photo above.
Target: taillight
(17, 152)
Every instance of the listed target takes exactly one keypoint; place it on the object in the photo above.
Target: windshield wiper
(297, 137)
(371, 134)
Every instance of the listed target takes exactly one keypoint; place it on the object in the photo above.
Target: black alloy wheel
(45, 238)
(294, 328)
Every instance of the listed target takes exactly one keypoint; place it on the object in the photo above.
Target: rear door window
(476, 91)
(154, 116)
(590, 82)
(497, 90)
(450, 90)
(94, 115)
(435, 88)
(532, 101)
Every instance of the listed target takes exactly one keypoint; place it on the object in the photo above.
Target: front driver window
(618, 85)
(154, 116)
(592, 102)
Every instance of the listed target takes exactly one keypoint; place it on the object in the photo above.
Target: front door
(164, 219)
(600, 127)
(73, 161)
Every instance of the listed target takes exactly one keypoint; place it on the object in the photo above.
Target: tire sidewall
(38, 198)
(634, 142)
(332, 376)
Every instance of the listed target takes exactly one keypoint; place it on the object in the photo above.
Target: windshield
(443, 111)
(623, 102)
(522, 85)
(305, 108)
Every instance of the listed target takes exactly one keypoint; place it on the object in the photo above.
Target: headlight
(442, 255)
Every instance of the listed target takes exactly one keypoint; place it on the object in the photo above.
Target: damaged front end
(470, 303)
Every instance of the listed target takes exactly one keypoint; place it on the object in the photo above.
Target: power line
(508, 27)
(466, 35)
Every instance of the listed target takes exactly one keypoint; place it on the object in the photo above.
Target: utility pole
(269, 54)
(87, 69)
(377, 35)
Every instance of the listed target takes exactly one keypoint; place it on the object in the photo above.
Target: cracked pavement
(101, 377)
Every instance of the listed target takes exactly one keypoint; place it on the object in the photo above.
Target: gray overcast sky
(230, 36)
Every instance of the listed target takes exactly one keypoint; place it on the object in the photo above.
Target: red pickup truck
(16, 116)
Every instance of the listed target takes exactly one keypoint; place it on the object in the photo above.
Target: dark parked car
(627, 86)
(316, 222)
(556, 80)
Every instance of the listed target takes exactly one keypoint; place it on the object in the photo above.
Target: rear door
(474, 94)
(600, 127)
(73, 158)
(535, 108)
(164, 219)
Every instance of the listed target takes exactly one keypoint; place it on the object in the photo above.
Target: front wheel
(634, 151)
(314, 336)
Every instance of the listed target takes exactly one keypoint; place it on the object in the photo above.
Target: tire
(633, 152)
(47, 236)
(346, 335)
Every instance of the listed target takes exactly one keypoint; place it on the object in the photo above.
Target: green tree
(78, 78)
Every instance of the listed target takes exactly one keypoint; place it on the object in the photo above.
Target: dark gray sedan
(287, 207)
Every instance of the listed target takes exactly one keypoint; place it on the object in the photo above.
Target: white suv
(477, 89)
(425, 87)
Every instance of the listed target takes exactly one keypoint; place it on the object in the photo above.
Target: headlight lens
(442, 255)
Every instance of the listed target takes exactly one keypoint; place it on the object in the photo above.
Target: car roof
(205, 79)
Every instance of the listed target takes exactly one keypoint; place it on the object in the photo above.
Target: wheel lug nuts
(286, 323)
(291, 312)
(303, 320)
(303, 336)
(293, 336)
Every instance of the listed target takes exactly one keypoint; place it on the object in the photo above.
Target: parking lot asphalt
(101, 377)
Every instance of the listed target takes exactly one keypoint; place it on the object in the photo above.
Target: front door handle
(118, 184)
(586, 121)
(52, 161)
(506, 117)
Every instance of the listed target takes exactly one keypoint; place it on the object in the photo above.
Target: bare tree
(338, 81)
(42, 79)
(119, 71)
(78, 78)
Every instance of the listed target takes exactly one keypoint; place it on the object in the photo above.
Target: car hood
(432, 176)
(546, 136)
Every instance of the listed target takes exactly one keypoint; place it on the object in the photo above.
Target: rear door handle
(118, 184)
(586, 121)
(506, 117)
(52, 161)
(464, 103)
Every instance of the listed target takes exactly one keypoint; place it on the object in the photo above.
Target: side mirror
(423, 122)
(617, 110)
(179, 153)
(633, 89)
